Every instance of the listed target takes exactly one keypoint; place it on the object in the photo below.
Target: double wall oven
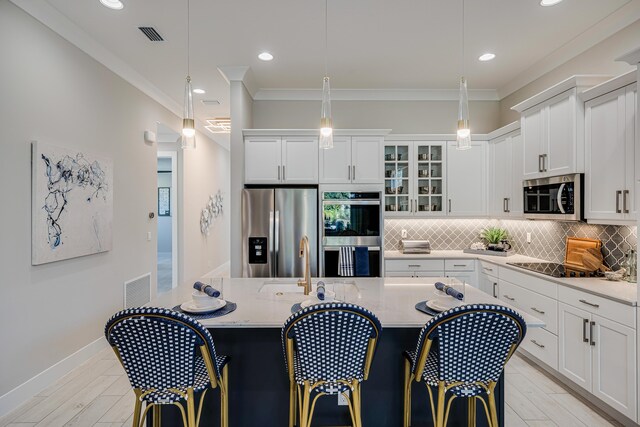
(351, 218)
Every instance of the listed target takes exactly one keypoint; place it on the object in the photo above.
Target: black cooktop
(551, 269)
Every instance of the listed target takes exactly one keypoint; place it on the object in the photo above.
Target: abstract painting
(72, 203)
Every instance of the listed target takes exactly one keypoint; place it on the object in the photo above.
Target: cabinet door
(532, 142)
(262, 160)
(335, 163)
(515, 203)
(605, 145)
(428, 183)
(466, 180)
(300, 160)
(561, 138)
(397, 179)
(632, 153)
(366, 160)
(614, 364)
(500, 164)
(574, 359)
(488, 284)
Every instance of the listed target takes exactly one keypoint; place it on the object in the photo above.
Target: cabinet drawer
(414, 264)
(606, 308)
(530, 282)
(540, 306)
(543, 345)
(488, 268)
(459, 264)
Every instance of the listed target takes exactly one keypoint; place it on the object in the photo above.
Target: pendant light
(188, 122)
(326, 124)
(463, 136)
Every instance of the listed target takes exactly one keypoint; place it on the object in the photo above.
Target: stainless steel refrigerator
(273, 222)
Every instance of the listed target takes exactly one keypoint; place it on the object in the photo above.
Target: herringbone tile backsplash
(548, 239)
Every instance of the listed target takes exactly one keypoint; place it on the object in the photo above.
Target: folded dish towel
(345, 261)
(449, 290)
(362, 261)
(209, 290)
(320, 291)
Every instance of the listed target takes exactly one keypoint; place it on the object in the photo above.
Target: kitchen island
(258, 382)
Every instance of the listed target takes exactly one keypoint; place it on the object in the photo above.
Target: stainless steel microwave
(555, 198)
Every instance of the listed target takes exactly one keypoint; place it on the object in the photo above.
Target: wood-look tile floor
(98, 394)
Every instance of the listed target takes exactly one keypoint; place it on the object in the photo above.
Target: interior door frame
(173, 155)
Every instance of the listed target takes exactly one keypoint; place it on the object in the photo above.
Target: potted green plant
(496, 238)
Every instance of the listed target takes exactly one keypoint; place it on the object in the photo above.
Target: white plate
(435, 305)
(190, 306)
(314, 301)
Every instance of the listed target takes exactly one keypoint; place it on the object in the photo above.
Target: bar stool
(328, 350)
(462, 353)
(158, 349)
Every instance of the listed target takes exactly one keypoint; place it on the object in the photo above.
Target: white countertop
(392, 300)
(622, 291)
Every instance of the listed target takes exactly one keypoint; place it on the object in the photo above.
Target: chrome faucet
(304, 250)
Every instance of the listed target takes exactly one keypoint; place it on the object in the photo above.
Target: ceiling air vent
(151, 34)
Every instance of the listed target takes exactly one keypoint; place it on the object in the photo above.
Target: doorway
(167, 276)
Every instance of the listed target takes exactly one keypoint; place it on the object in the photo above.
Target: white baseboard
(220, 271)
(25, 391)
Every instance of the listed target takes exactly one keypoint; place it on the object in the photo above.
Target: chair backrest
(333, 341)
(472, 342)
(157, 346)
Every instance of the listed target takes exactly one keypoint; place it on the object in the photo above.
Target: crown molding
(239, 73)
(314, 132)
(49, 16)
(632, 58)
(373, 95)
(580, 81)
(616, 21)
(511, 127)
(623, 80)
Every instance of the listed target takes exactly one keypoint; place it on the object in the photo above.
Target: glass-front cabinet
(414, 178)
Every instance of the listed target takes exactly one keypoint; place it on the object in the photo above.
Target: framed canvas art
(71, 205)
(164, 201)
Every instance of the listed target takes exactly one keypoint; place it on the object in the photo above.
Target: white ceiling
(373, 44)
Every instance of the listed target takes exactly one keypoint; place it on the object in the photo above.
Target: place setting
(321, 296)
(206, 301)
(444, 297)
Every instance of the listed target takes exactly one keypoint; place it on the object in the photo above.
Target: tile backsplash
(547, 237)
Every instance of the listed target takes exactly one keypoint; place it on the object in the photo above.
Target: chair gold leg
(407, 394)
(191, 409)
(156, 416)
(440, 410)
(471, 412)
(136, 409)
(304, 419)
(292, 403)
(224, 398)
(492, 409)
(357, 404)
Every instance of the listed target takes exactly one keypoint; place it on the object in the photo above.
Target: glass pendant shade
(326, 124)
(463, 137)
(188, 123)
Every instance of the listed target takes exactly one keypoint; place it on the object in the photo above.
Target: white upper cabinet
(356, 160)
(610, 156)
(552, 125)
(505, 175)
(276, 160)
(467, 180)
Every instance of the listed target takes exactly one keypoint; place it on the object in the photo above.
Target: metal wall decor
(212, 211)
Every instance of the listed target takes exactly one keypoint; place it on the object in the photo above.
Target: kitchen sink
(345, 289)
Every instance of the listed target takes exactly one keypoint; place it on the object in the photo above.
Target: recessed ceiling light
(199, 91)
(549, 2)
(265, 56)
(112, 4)
(487, 57)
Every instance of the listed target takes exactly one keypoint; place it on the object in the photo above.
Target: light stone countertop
(622, 291)
(392, 300)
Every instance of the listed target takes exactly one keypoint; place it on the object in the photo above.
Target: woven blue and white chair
(328, 350)
(168, 357)
(462, 353)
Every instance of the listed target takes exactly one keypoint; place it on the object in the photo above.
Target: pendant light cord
(462, 59)
(188, 37)
(326, 38)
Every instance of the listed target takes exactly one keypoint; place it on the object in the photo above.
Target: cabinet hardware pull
(584, 330)
(278, 173)
(504, 204)
(488, 269)
(283, 174)
(354, 172)
(459, 265)
(508, 201)
(536, 343)
(625, 193)
(618, 193)
(537, 311)
(413, 209)
(540, 163)
(413, 265)
(509, 298)
(544, 163)
(589, 303)
(591, 325)
(449, 205)
(349, 172)
(494, 289)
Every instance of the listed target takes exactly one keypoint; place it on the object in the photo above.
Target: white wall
(400, 116)
(53, 92)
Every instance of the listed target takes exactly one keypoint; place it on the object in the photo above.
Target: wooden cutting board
(576, 247)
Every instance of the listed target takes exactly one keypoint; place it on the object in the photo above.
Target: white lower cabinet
(488, 284)
(599, 355)
(543, 345)
(419, 267)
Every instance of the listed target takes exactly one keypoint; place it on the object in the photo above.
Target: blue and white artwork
(72, 203)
